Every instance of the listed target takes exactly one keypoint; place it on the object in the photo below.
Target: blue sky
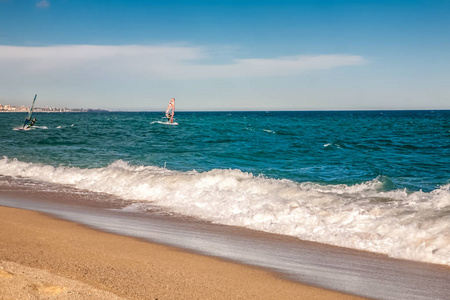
(226, 55)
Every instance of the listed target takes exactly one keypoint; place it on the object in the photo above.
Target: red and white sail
(170, 111)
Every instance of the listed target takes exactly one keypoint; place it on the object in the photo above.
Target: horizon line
(265, 110)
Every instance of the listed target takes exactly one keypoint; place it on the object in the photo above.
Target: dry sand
(45, 258)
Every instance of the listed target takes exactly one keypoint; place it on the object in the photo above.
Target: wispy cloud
(167, 62)
(43, 4)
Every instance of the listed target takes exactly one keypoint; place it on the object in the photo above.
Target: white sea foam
(269, 131)
(30, 128)
(164, 123)
(414, 226)
(21, 128)
(331, 146)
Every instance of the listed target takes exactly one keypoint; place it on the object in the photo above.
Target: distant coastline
(24, 109)
(11, 109)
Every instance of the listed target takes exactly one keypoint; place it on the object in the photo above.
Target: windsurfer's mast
(30, 113)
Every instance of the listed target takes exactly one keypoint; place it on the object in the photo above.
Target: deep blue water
(406, 149)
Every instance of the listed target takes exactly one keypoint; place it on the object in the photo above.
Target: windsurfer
(170, 111)
(29, 122)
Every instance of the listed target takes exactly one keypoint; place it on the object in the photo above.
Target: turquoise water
(409, 149)
(373, 180)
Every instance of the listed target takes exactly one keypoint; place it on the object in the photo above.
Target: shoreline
(45, 256)
(328, 267)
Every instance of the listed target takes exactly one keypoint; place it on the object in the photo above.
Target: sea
(368, 180)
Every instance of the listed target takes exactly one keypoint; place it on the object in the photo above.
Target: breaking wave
(366, 216)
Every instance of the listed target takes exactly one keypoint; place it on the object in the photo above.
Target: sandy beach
(45, 258)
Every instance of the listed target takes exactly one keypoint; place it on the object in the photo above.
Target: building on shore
(22, 108)
(12, 108)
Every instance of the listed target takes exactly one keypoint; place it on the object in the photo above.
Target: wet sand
(95, 267)
(42, 257)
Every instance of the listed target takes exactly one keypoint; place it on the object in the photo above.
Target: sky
(226, 55)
